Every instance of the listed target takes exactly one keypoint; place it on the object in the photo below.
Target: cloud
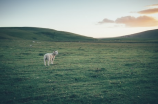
(106, 21)
(129, 21)
(142, 21)
(149, 11)
(153, 5)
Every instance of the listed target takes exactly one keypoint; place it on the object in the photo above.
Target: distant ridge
(150, 34)
(45, 34)
(34, 33)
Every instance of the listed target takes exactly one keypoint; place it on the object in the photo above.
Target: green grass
(83, 73)
(38, 34)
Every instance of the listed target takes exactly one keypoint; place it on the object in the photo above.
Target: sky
(92, 18)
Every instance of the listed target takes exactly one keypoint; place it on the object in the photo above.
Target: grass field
(82, 73)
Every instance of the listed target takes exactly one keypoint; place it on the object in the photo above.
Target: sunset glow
(93, 18)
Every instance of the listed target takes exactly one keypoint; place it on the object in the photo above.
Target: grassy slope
(31, 33)
(150, 34)
(43, 34)
(83, 73)
(146, 36)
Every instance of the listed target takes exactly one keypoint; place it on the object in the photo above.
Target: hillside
(44, 34)
(32, 33)
(151, 34)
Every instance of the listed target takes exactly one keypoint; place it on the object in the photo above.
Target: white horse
(49, 57)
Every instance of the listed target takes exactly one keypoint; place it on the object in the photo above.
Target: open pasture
(82, 73)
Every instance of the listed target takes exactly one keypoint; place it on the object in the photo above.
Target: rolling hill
(150, 34)
(44, 34)
(32, 33)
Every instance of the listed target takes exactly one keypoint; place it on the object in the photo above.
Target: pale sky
(93, 18)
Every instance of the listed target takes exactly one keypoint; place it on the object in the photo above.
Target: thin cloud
(106, 21)
(129, 21)
(149, 11)
(153, 5)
